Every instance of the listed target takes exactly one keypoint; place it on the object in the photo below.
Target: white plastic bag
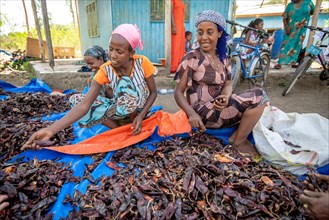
(291, 140)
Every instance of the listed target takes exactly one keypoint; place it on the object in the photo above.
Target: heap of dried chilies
(14, 132)
(33, 105)
(32, 187)
(193, 178)
(16, 113)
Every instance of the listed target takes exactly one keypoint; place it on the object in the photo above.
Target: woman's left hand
(221, 102)
(137, 125)
(300, 25)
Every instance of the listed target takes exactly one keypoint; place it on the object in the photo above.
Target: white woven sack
(291, 140)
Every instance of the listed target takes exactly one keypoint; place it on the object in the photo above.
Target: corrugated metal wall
(104, 24)
(138, 12)
(222, 6)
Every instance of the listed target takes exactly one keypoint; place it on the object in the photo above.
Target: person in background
(177, 34)
(130, 77)
(296, 15)
(317, 203)
(188, 39)
(94, 57)
(204, 75)
(252, 38)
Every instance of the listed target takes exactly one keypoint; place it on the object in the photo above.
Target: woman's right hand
(42, 135)
(288, 30)
(196, 122)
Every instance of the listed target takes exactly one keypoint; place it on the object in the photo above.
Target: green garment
(292, 44)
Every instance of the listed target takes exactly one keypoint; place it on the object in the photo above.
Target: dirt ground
(309, 95)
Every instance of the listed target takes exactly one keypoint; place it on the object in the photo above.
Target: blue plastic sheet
(79, 163)
(35, 85)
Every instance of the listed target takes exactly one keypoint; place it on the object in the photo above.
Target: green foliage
(28, 67)
(3, 19)
(13, 41)
(282, 84)
(62, 35)
(65, 35)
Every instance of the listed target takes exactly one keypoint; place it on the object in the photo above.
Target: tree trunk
(77, 16)
(26, 19)
(233, 18)
(47, 33)
(37, 26)
(71, 11)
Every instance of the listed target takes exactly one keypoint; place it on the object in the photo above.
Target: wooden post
(26, 19)
(167, 25)
(78, 21)
(233, 29)
(314, 22)
(47, 33)
(37, 26)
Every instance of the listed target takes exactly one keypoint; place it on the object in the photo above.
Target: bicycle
(314, 51)
(259, 64)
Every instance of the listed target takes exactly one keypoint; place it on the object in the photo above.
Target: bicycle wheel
(306, 63)
(236, 70)
(259, 68)
(324, 75)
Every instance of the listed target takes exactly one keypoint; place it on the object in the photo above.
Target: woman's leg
(248, 121)
(232, 137)
(110, 124)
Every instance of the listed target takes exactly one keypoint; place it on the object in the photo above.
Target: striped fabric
(138, 79)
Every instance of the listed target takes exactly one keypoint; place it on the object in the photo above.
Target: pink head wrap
(131, 33)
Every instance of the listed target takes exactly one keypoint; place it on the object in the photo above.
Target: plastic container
(165, 91)
(275, 51)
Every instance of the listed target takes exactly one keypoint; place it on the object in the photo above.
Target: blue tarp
(78, 163)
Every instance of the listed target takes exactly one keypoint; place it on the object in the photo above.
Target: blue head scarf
(219, 20)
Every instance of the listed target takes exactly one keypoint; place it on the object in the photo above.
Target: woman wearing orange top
(177, 34)
(130, 78)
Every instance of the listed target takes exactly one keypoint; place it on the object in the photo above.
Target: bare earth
(309, 95)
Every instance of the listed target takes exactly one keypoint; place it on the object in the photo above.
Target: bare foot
(247, 148)
(232, 137)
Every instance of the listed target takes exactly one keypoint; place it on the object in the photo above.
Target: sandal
(277, 66)
(294, 65)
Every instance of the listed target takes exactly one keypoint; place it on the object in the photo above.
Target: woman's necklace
(212, 61)
(124, 72)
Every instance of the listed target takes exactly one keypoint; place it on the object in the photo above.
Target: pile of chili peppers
(184, 178)
(14, 132)
(19, 116)
(32, 105)
(32, 187)
(193, 178)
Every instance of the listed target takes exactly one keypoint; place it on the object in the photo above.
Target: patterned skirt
(232, 114)
(127, 99)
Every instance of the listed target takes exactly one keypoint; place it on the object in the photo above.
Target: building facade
(98, 18)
